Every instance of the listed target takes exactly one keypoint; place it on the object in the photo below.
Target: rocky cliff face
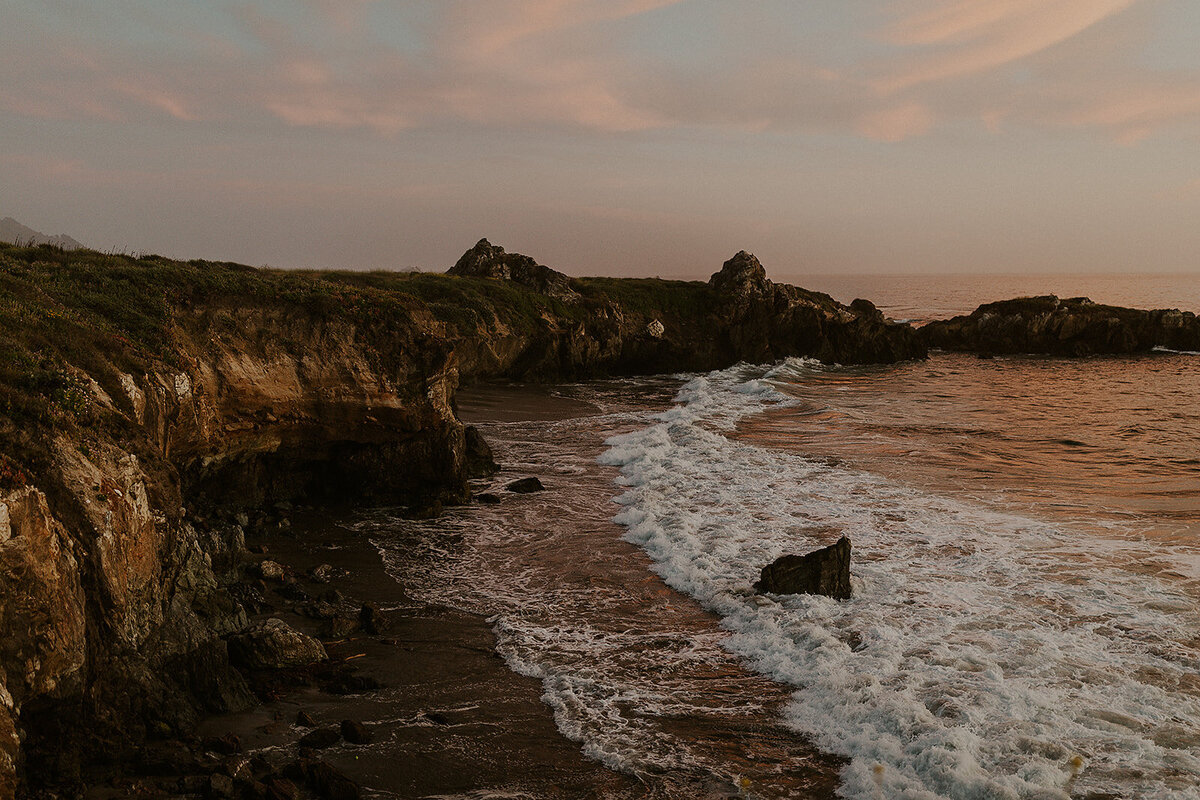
(765, 321)
(1070, 327)
(117, 526)
(639, 326)
(142, 402)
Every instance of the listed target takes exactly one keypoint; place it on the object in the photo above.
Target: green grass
(65, 311)
(652, 297)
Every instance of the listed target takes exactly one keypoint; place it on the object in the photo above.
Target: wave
(984, 654)
(1161, 349)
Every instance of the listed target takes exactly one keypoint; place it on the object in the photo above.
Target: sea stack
(825, 571)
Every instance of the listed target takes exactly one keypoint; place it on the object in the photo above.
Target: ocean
(1026, 566)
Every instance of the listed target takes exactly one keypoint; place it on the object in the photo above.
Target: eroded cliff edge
(143, 401)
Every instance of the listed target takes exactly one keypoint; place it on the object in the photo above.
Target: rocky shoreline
(148, 406)
(394, 671)
(151, 409)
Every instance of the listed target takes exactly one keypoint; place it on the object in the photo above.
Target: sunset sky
(612, 136)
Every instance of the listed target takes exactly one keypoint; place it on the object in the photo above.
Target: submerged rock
(273, 645)
(825, 571)
(526, 485)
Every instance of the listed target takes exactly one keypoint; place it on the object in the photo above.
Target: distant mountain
(13, 231)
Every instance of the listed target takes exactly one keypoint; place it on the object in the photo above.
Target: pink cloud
(964, 37)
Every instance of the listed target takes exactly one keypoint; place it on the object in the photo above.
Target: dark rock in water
(355, 732)
(488, 498)
(273, 645)
(1073, 326)
(526, 485)
(372, 619)
(825, 571)
(321, 738)
(481, 462)
(305, 720)
(225, 745)
(486, 260)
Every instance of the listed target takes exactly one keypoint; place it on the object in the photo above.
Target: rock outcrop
(644, 326)
(825, 571)
(763, 321)
(486, 260)
(1066, 327)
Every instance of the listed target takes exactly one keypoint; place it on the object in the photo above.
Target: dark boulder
(488, 498)
(274, 644)
(355, 732)
(825, 571)
(321, 738)
(525, 486)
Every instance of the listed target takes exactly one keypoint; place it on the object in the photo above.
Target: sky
(612, 137)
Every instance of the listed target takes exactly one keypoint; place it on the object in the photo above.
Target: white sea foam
(984, 654)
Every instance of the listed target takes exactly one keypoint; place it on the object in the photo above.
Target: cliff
(1068, 327)
(144, 401)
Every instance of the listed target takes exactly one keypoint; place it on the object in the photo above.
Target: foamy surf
(985, 654)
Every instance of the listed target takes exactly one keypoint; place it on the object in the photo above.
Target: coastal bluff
(146, 403)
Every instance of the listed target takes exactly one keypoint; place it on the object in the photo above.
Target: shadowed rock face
(486, 260)
(1072, 327)
(825, 571)
(645, 326)
(761, 321)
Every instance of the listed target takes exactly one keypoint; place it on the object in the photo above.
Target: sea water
(1017, 629)
(1026, 572)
